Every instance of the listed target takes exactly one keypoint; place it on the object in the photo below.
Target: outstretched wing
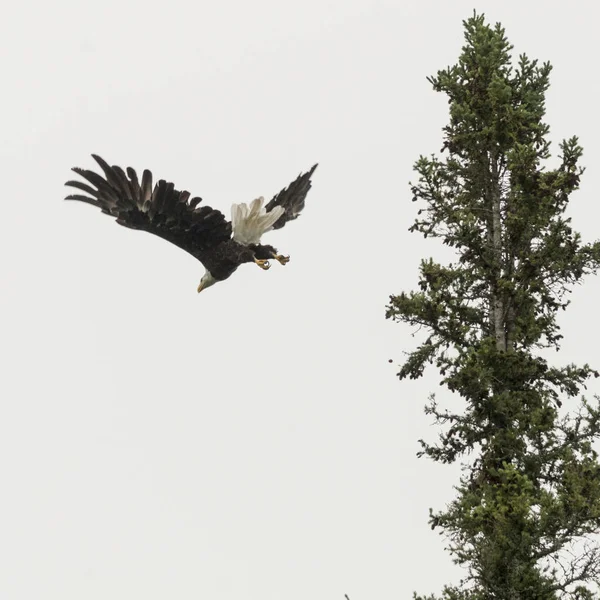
(163, 211)
(291, 199)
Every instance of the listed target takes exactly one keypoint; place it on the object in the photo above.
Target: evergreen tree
(528, 504)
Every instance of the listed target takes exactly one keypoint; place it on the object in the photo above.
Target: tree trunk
(495, 237)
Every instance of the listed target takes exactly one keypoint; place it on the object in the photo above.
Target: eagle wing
(291, 199)
(162, 210)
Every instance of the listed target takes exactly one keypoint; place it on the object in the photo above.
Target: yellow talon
(263, 264)
(282, 260)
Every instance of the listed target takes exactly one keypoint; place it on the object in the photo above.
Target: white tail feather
(249, 223)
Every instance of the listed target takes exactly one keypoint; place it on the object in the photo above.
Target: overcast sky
(251, 442)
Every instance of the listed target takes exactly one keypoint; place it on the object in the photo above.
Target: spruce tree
(527, 509)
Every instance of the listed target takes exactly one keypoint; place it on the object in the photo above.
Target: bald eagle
(220, 245)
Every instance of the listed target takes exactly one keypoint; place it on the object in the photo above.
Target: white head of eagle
(220, 245)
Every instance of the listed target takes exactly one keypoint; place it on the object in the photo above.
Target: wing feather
(133, 182)
(195, 201)
(146, 191)
(291, 199)
(162, 210)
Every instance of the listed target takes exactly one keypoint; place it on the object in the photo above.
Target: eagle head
(206, 281)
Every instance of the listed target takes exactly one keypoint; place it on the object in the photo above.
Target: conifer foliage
(525, 519)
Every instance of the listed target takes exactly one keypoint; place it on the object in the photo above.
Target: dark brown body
(222, 260)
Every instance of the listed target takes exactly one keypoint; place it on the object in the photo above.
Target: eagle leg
(282, 260)
(263, 264)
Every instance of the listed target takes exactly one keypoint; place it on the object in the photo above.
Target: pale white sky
(251, 442)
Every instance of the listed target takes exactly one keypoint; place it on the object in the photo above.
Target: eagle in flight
(220, 245)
